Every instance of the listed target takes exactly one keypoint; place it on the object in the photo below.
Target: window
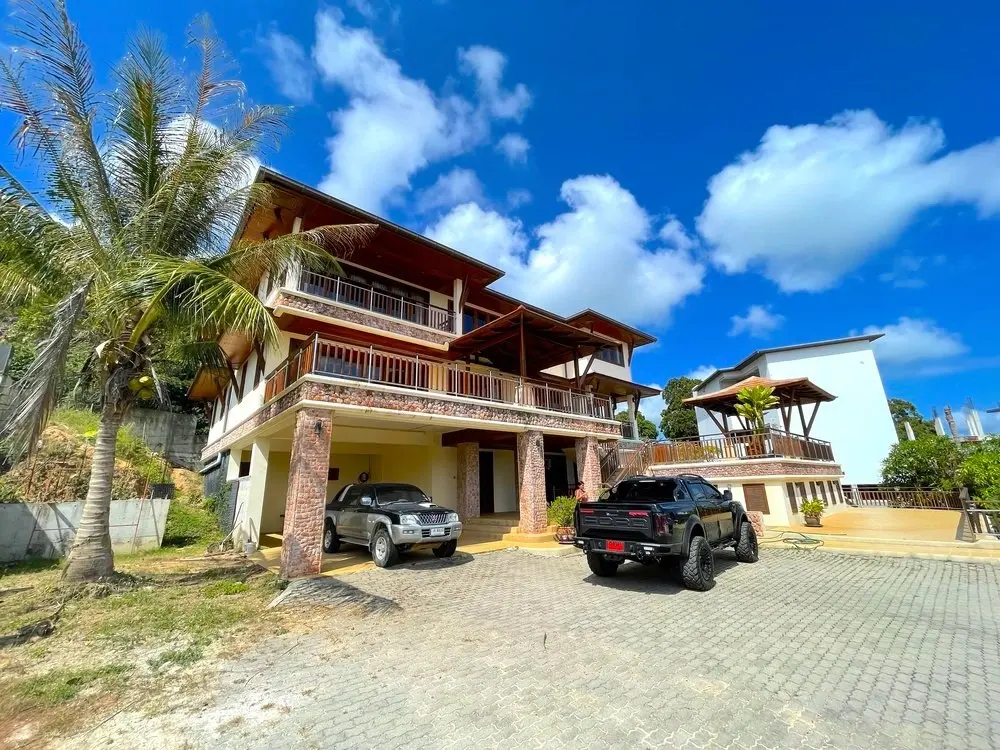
(353, 494)
(822, 491)
(651, 491)
(612, 354)
(812, 491)
(790, 491)
(840, 494)
(473, 319)
(801, 486)
(755, 496)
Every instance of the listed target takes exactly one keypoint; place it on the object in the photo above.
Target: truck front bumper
(425, 534)
(631, 549)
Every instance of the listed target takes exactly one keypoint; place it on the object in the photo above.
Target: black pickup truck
(676, 521)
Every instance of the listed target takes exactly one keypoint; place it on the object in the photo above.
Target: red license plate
(615, 546)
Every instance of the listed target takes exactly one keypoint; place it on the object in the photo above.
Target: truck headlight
(408, 521)
(452, 518)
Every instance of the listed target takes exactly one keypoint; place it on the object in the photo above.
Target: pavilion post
(524, 364)
(576, 365)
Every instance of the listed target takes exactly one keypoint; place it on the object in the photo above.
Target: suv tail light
(661, 525)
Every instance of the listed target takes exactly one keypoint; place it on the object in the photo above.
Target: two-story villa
(407, 368)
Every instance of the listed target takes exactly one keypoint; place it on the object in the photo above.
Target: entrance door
(556, 484)
(485, 482)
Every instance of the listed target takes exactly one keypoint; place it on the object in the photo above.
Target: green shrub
(811, 508)
(561, 511)
(10, 493)
(928, 461)
(980, 472)
(188, 524)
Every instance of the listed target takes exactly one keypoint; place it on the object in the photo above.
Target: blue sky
(726, 177)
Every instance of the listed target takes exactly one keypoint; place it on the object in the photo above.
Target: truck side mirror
(367, 501)
(728, 494)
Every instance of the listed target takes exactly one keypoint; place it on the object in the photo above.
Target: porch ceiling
(494, 440)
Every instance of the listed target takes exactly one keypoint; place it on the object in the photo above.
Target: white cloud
(518, 197)
(451, 189)
(759, 322)
(365, 7)
(289, 66)
(813, 202)
(601, 253)
(912, 340)
(514, 147)
(487, 65)
(701, 372)
(651, 407)
(394, 126)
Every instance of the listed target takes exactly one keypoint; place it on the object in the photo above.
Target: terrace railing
(767, 443)
(366, 297)
(371, 365)
(879, 496)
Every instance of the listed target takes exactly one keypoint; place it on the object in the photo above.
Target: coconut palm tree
(125, 229)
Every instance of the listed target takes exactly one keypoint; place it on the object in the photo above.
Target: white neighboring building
(858, 423)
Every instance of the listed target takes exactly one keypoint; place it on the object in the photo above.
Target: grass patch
(62, 685)
(184, 657)
(83, 422)
(224, 588)
(189, 525)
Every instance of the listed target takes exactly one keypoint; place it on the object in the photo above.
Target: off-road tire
(384, 551)
(447, 549)
(747, 550)
(698, 572)
(331, 542)
(601, 566)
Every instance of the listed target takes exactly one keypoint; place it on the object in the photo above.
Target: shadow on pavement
(656, 579)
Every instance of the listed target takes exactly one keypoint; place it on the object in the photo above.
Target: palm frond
(37, 392)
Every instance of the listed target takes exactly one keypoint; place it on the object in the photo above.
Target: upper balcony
(739, 446)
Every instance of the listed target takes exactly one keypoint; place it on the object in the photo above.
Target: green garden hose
(795, 538)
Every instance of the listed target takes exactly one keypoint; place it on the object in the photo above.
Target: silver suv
(389, 519)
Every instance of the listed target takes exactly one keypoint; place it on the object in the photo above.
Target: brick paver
(803, 650)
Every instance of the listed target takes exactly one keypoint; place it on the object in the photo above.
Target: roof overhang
(600, 323)
(788, 392)
(547, 342)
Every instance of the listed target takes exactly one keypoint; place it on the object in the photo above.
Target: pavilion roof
(788, 391)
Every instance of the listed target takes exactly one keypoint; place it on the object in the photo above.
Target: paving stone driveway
(804, 649)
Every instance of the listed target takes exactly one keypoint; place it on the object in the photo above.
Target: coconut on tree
(121, 227)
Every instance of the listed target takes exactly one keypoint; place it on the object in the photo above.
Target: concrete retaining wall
(170, 434)
(31, 530)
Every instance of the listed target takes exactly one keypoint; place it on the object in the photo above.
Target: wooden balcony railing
(365, 297)
(768, 443)
(431, 376)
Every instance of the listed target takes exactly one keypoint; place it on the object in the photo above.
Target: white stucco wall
(504, 482)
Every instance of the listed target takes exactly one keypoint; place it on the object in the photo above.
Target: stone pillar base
(588, 465)
(468, 480)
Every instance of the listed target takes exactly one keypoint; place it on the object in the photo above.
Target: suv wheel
(384, 552)
(601, 565)
(331, 542)
(447, 549)
(746, 547)
(698, 572)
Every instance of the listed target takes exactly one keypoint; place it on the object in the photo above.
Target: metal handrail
(366, 297)
(369, 364)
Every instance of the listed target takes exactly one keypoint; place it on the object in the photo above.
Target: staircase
(624, 458)
(485, 529)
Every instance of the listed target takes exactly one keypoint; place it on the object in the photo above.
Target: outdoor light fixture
(318, 428)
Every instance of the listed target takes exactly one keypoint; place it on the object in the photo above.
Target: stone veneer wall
(415, 402)
(305, 507)
(468, 480)
(759, 468)
(588, 464)
(531, 482)
(361, 317)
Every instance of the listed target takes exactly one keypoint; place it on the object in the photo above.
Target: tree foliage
(928, 461)
(754, 403)
(904, 411)
(120, 235)
(676, 419)
(647, 430)
(980, 472)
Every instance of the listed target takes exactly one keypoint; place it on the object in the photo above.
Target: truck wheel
(746, 546)
(384, 552)
(447, 549)
(331, 542)
(601, 565)
(698, 572)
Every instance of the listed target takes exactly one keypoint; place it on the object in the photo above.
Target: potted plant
(753, 402)
(561, 516)
(812, 511)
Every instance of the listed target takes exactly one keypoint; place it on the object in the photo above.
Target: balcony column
(531, 482)
(588, 465)
(295, 270)
(305, 506)
(632, 417)
(457, 292)
(468, 480)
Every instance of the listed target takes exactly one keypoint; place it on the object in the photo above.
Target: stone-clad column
(305, 507)
(531, 482)
(468, 480)
(588, 465)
